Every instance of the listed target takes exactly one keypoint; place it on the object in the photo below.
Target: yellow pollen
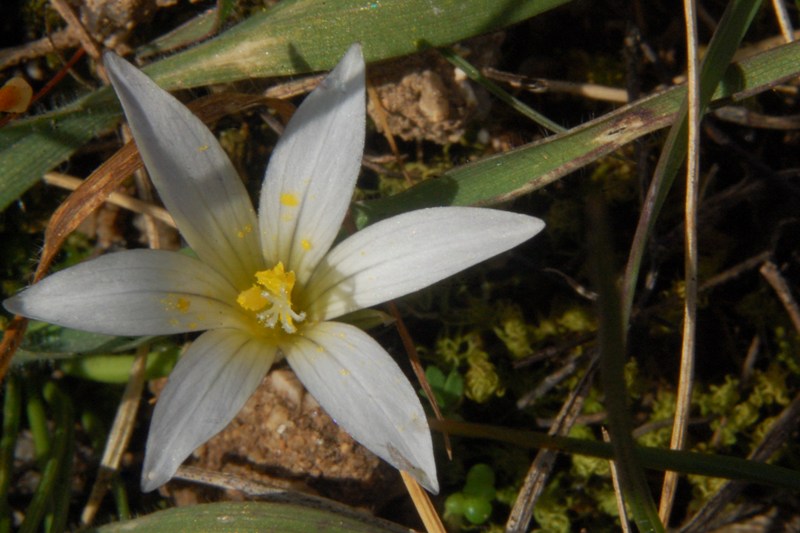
(244, 231)
(202, 148)
(289, 199)
(270, 298)
(306, 244)
(276, 279)
(251, 299)
(182, 305)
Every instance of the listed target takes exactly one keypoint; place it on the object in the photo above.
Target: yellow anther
(251, 299)
(271, 298)
(276, 279)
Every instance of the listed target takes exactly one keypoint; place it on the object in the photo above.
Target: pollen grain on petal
(174, 302)
(182, 305)
(306, 244)
(289, 199)
(247, 228)
(202, 148)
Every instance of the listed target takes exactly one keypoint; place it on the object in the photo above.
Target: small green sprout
(448, 390)
(474, 503)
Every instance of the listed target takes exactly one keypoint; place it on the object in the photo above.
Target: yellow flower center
(270, 298)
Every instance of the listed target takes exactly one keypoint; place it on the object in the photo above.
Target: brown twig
(58, 40)
(86, 40)
(539, 471)
(773, 276)
(416, 365)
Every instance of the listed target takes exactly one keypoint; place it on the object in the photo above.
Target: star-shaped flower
(270, 286)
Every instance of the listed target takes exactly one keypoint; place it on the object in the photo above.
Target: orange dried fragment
(15, 96)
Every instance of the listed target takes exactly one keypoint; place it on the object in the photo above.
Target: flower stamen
(271, 299)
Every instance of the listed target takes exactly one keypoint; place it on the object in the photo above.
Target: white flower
(270, 286)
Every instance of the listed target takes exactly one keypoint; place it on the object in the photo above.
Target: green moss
(551, 513)
(584, 467)
(481, 380)
(788, 348)
(617, 177)
(512, 330)
(573, 320)
(720, 399)
(663, 409)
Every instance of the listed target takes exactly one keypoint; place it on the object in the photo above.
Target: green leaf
(454, 386)
(12, 413)
(117, 368)
(254, 516)
(448, 390)
(47, 341)
(477, 510)
(293, 37)
(480, 482)
(507, 176)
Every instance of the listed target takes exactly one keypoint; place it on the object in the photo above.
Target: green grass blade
(635, 491)
(702, 464)
(475, 75)
(12, 412)
(55, 468)
(724, 44)
(506, 176)
(294, 37)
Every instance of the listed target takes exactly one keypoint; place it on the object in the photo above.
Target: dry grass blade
(12, 338)
(87, 41)
(383, 124)
(425, 508)
(119, 436)
(227, 481)
(785, 23)
(124, 201)
(416, 366)
(84, 200)
(686, 374)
